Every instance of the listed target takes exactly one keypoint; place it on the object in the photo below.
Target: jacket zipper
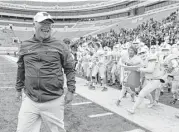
(38, 74)
(38, 80)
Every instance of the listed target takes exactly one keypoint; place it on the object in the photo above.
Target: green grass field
(76, 118)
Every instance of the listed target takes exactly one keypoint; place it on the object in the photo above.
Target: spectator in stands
(67, 41)
(10, 26)
(40, 75)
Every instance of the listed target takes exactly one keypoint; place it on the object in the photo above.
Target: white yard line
(6, 88)
(158, 119)
(136, 130)
(82, 103)
(8, 73)
(11, 58)
(100, 115)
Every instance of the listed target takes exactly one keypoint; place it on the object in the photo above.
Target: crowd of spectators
(151, 32)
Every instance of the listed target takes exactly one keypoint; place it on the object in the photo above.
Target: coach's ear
(33, 27)
(33, 23)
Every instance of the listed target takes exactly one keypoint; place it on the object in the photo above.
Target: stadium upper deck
(54, 3)
(81, 20)
(87, 12)
(77, 5)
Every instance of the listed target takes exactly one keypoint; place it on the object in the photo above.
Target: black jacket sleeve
(68, 64)
(20, 73)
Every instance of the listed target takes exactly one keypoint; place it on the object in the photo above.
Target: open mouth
(45, 30)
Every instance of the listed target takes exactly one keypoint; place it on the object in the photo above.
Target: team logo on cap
(45, 14)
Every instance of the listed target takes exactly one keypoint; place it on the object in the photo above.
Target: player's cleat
(91, 87)
(101, 84)
(169, 90)
(153, 104)
(119, 86)
(104, 89)
(156, 102)
(173, 101)
(161, 93)
(131, 111)
(177, 115)
(125, 95)
(118, 102)
(150, 105)
(112, 84)
(133, 97)
(137, 93)
(86, 84)
(108, 81)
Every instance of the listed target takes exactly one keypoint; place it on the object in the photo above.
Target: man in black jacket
(42, 63)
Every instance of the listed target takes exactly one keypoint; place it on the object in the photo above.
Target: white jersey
(79, 56)
(116, 55)
(162, 57)
(153, 69)
(173, 64)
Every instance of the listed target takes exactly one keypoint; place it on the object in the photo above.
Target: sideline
(158, 119)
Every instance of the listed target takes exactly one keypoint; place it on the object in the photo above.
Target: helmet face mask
(153, 49)
(165, 52)
(171, 63)
(132, 51)
(143, 55)
(136, 45)
(115, 49)
(105, 51)
(142, 52)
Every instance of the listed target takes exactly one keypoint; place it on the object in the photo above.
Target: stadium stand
(133, 22)
(21, 19)
(64, 5)
(123, 9)
(23, 35)
(83, 25)
(39, 3)
(70, 12)
(147, 23)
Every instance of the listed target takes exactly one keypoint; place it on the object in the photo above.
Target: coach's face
(43, 29)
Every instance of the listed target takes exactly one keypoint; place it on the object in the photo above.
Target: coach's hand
(68, 97)
(19, 96)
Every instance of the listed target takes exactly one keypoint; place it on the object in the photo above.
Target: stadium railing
(58, 6)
